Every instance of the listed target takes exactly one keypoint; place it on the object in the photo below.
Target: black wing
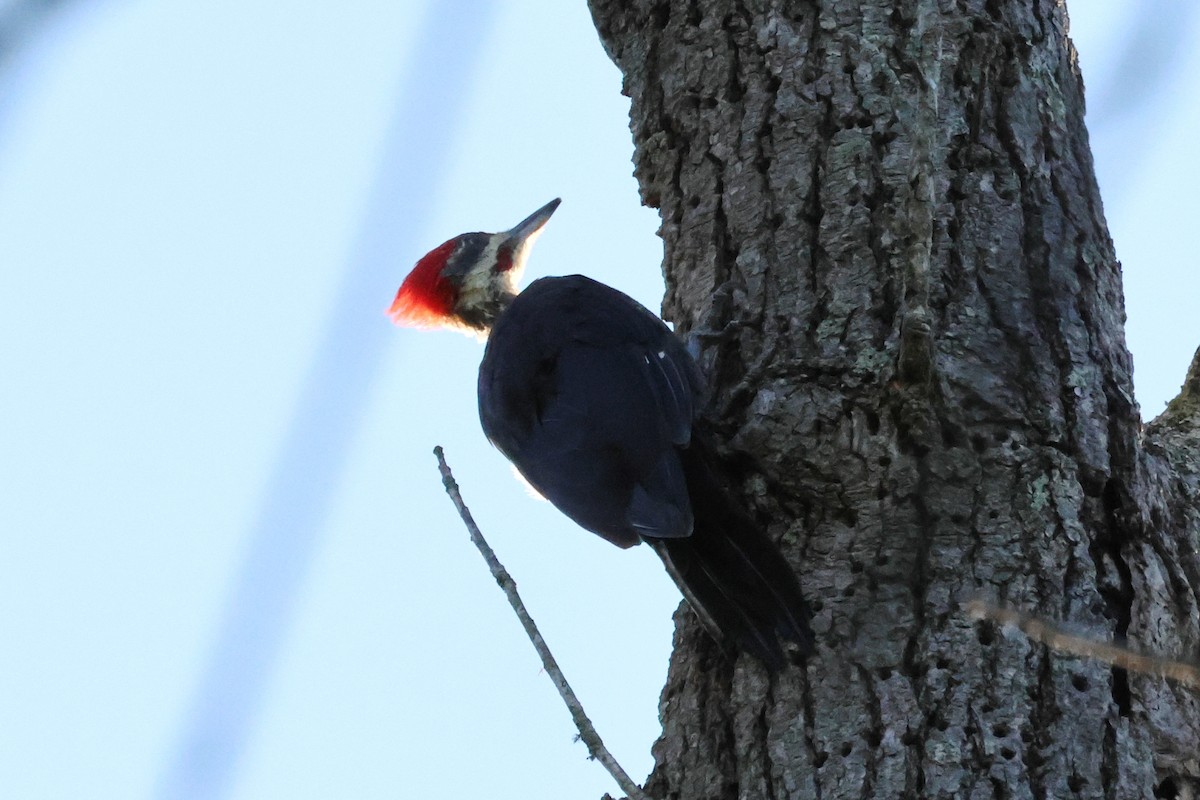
(591, 397)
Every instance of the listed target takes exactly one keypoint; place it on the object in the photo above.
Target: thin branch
(587, 733)
(1117, 655)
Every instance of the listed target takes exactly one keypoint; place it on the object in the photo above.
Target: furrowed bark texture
(889, 208)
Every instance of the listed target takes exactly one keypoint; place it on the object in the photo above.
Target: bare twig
(587, 733)
(1117, 655)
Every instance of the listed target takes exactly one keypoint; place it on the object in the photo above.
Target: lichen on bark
(889, 206)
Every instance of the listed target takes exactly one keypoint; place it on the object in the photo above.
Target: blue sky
(198, 202)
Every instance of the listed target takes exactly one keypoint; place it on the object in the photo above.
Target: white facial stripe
(479, 284)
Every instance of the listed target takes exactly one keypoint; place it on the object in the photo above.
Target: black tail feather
(734, 577)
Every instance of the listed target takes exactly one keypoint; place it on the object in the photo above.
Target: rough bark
(889, 208)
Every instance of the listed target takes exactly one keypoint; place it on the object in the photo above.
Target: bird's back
(590, 396)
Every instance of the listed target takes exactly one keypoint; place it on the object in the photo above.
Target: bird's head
(466, 282)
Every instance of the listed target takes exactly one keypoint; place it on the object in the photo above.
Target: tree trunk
(889, 208)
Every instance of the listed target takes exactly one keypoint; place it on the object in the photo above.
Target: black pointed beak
(533, 224)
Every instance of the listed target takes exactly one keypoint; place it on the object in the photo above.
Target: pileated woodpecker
(596, 403)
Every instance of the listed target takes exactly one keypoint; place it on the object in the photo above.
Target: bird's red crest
(426, 299)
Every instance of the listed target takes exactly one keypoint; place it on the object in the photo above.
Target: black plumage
(595, 402)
